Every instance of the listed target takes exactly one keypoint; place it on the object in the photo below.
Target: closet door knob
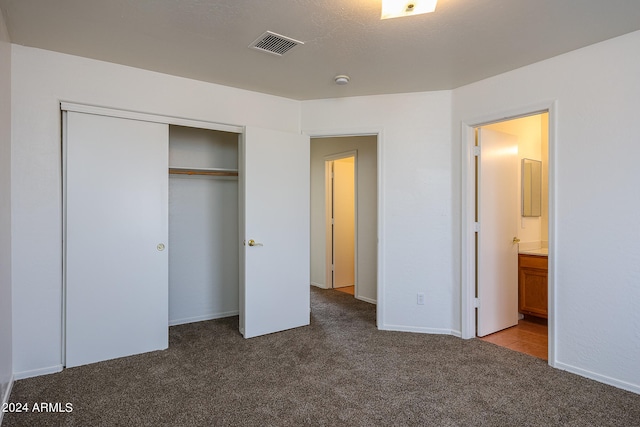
(254, 243)
(160, 246)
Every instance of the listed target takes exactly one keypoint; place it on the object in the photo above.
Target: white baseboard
(6, 395)
(318, 285)
(365, 299)
(634, 388)
(38, 372)
(209, 316)
(418, 329)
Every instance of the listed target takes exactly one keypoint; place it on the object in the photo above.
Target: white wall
(40, 80)
(595, 256)
(367, 196)
(6, 369)
(415, 189)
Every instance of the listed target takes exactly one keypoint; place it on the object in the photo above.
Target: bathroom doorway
(522, 318)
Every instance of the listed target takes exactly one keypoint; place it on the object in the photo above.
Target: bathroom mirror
(531, 187)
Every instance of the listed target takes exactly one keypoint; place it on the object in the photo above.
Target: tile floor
(529, 336)
(347, 290)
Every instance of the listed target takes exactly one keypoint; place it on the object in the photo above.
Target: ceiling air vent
(274, 43)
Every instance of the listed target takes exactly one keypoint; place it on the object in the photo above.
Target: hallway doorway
(354, 257)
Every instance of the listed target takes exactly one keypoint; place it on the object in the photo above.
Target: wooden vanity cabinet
(532, 285)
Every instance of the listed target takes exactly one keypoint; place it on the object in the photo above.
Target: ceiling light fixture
(341, 79)
(398, 8)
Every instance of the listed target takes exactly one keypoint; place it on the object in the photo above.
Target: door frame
(379, 134)
(468, 247)
(330, 251)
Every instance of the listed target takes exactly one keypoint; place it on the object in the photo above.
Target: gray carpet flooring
(339, 371)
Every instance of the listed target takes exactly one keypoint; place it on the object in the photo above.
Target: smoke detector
(341, 80)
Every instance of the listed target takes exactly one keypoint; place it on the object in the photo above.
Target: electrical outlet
(420, 299)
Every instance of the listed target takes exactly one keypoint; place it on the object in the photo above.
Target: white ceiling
(462, 42)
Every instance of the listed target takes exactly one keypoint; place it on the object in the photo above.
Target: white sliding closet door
(116, 228)
(274, 213)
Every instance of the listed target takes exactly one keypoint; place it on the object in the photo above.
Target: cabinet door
(116, 227)
(274, 213)
(533, 291)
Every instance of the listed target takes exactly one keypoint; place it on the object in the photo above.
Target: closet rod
(175, 171)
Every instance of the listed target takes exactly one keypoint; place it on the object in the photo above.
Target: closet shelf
(203, 171)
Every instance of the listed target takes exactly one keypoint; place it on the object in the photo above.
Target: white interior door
(498, 217)
(116, 226)
(274, 213)
(344, 222)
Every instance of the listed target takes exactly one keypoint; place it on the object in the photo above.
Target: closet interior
(203, 224)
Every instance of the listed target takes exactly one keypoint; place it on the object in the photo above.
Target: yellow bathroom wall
(544, 125)
(344, 222)
(532, 133)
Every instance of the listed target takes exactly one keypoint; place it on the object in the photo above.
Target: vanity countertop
(537, 252)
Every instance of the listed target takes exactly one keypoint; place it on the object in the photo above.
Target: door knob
(254, 243)
(160, 247)
(516, 240)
